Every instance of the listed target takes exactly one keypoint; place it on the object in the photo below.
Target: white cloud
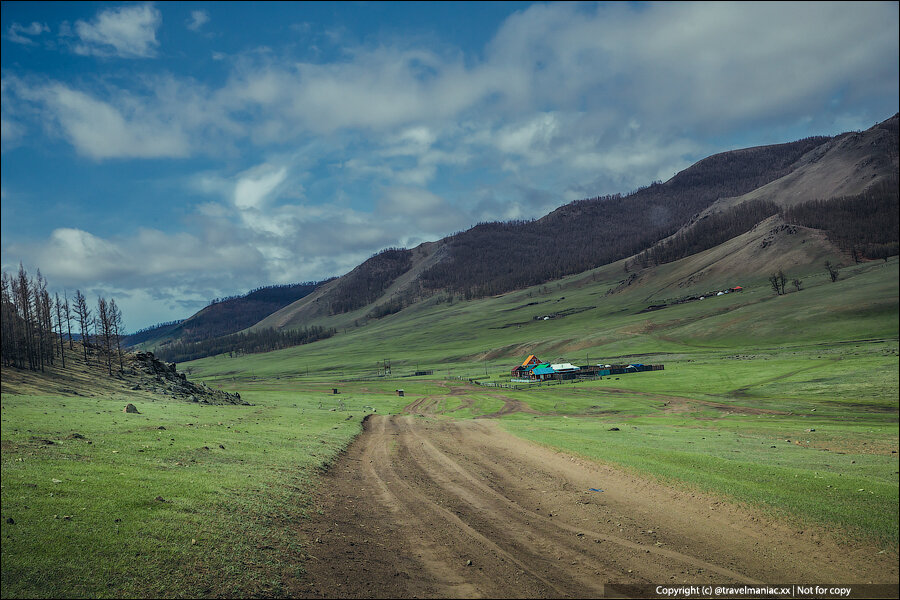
(252, 190)
(78, 255)
(99, 130)
(148, 258)
(710, 67)
(378, 89)
(22, 34)
(125, 31)
(198, 19)
(686, 64)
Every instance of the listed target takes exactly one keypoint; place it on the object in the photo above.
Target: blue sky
(168, 153)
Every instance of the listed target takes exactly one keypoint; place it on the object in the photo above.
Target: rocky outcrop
(164, 378)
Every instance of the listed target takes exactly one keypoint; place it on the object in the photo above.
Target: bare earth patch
(440, 508)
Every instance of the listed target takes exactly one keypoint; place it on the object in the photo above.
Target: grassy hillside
(600, 316)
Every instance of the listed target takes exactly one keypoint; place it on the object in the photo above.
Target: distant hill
(715, 200)
(224, 316)
(741, 214)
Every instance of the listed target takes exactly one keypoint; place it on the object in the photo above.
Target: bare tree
(68, 318)
(832, 270)
(32, 322)
(782, 280)
(797, 283)
(773, 281)
(59, 318)
(43, 311)
(22, 294)
(118, 325)
(11, 345)
(83, 314)
(104, 323)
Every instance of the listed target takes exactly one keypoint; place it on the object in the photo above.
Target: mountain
(720, 198)
(735, 216)
(224, 316)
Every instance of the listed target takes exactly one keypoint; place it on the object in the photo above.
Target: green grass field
(787, 403)
(180, 500)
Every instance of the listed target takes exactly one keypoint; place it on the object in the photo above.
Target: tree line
(263, 340)
(864, 225)
(36, 327)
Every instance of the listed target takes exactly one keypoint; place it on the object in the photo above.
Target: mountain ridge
(746, 189)
(772, 168)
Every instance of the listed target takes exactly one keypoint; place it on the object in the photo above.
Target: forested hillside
(224, 316)
(864, 226)
(364, 284)
(492, 258)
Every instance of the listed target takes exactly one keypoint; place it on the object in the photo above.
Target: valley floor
(423, 506)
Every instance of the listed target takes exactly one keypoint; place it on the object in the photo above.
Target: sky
(164, 154)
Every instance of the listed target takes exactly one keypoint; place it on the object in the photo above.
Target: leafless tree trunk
(59, 317)
(104, 323)
(22, 288)
(68, 318)
(118, 325)
(83, 313)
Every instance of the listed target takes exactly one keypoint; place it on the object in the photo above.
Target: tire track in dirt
(431, 405)
(568, 530)
(441, 508)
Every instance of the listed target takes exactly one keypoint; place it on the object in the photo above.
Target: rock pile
(165, 379)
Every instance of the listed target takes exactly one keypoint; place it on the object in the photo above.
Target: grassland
(180, 500)
(788, 403)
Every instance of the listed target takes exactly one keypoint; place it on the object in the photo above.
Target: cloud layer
(310, 165)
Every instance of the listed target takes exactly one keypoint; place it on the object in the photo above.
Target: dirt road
(431, 507)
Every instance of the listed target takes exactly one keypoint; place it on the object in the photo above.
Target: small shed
(400, 393)
(542, 372)
(565, 370)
